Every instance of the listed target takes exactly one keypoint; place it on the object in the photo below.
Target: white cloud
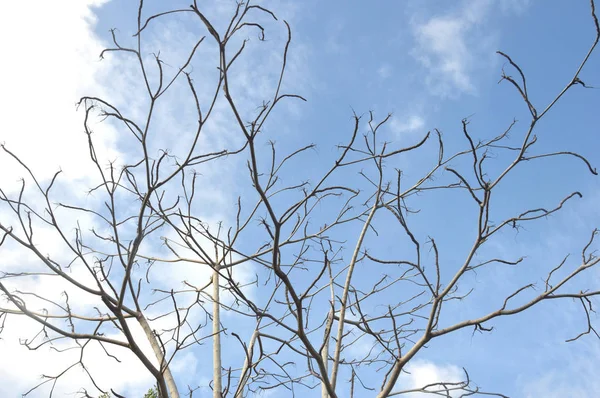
(48, 69)
(455, 45)
(515, 6)
(555, 385)
(49, 62)
(360, 348)
(422, 373)
(384, 71)
(410, 124)
(451, 47)
(25, 367)
(570, 375)
(334, 32)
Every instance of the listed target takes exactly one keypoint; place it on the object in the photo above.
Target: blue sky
(430, 64)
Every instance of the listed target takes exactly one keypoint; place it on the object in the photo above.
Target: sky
(429, 63)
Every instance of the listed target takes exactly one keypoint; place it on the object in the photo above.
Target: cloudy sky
(429, 63)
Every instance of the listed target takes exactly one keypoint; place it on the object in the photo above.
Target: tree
(152, 393)
(296, 269)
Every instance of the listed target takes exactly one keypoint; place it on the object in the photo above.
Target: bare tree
(303, 233)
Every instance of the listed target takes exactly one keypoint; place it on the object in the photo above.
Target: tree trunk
(217, 388)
